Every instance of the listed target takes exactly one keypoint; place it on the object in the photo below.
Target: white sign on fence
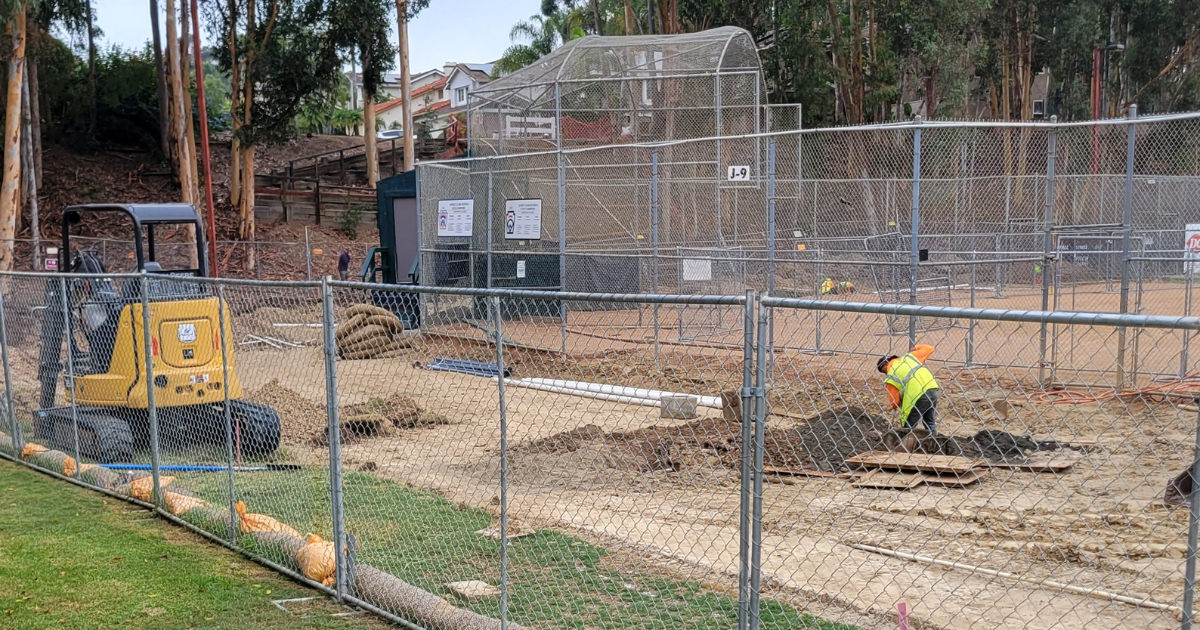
(523, 219)
(456, 217)
(697, 269)
(739, 173)
(520, 268)
(1191, 246)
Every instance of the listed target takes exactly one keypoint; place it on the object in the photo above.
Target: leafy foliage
(851, 61)
(127, 100)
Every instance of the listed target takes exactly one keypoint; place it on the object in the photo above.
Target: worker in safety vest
(827, 286)
(911, 387)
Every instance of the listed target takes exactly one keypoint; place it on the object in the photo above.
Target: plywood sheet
(1039, 464)
(956, 480)
(914, 461)
(798, 472)
(891, 480)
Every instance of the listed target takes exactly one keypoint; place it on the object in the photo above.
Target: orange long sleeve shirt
(921, 352)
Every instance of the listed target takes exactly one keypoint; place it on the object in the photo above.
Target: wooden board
(891, 480)
(953, 480)
(797, 472)
(1039, 464)
(914, 461)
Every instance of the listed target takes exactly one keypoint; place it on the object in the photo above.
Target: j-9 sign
(739, 173)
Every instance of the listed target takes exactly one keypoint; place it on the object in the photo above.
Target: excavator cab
(101, 320)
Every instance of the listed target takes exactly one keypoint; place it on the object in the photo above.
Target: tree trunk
(186, 83)
(91, 82)
(184, 158)
(246, 208)
(629, 18)
(26, 148)
(10, 196)
(405, 84)
(246, 203)
(185, 28)
(596, 17)
(372, 154)
(931, 101)
(29, 173)
(235, 145)
(35, 124)
(160, 75)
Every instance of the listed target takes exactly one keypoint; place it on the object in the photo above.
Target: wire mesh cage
(604, 90)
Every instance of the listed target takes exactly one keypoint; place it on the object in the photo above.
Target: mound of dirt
(1003, 446)
(822, 442)
(299, 418)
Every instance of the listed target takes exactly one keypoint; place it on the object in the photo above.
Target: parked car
(390, 134)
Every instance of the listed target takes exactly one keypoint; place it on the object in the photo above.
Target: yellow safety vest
(912, 378)
(826, 287)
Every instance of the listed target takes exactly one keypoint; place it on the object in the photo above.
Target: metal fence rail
(490, 467)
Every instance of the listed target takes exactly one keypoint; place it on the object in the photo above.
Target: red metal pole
(202, 105)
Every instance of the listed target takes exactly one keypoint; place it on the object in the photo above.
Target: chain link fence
(274, 260)
(480, 468)
(1095, 216)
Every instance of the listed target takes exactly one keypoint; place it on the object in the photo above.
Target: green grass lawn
(557, 582)
(72, 558)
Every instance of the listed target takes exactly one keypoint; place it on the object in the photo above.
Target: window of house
(460, 94)
(1039, 108)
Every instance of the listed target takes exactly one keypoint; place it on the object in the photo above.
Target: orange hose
(1065, 396)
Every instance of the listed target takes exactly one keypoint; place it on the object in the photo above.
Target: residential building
(436, 94)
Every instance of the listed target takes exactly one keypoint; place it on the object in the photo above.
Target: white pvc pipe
(585, 394)
(1048, 583)
(618, 390)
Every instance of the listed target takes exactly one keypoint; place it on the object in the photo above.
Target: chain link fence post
(654, 244)
(771, 243)
(307, 255)
(1126, 234)
(148, 349)
(747, 416)
(496, 321)
(1047, 244)
(913, 253)
(490, 230)
(1189, 577)
(228, 414)
(335, 440)
(970, 358)
(1187, 312)
(562, 213)
(760, 422)
(66, 315)
(15, 427)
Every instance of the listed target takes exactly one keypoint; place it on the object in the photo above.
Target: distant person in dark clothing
(344, 265)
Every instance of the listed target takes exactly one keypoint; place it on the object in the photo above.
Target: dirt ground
(668, 490)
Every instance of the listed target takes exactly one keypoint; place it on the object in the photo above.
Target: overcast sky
(471, 31)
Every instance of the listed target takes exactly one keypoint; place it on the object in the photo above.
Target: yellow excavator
(102, 324)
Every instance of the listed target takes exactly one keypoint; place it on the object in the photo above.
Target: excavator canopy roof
(145, 215)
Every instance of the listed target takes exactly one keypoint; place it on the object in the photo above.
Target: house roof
(433, 107)
(420, 75)
(436, 85)
(396, 102)
(481, 72)
(392, 104)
